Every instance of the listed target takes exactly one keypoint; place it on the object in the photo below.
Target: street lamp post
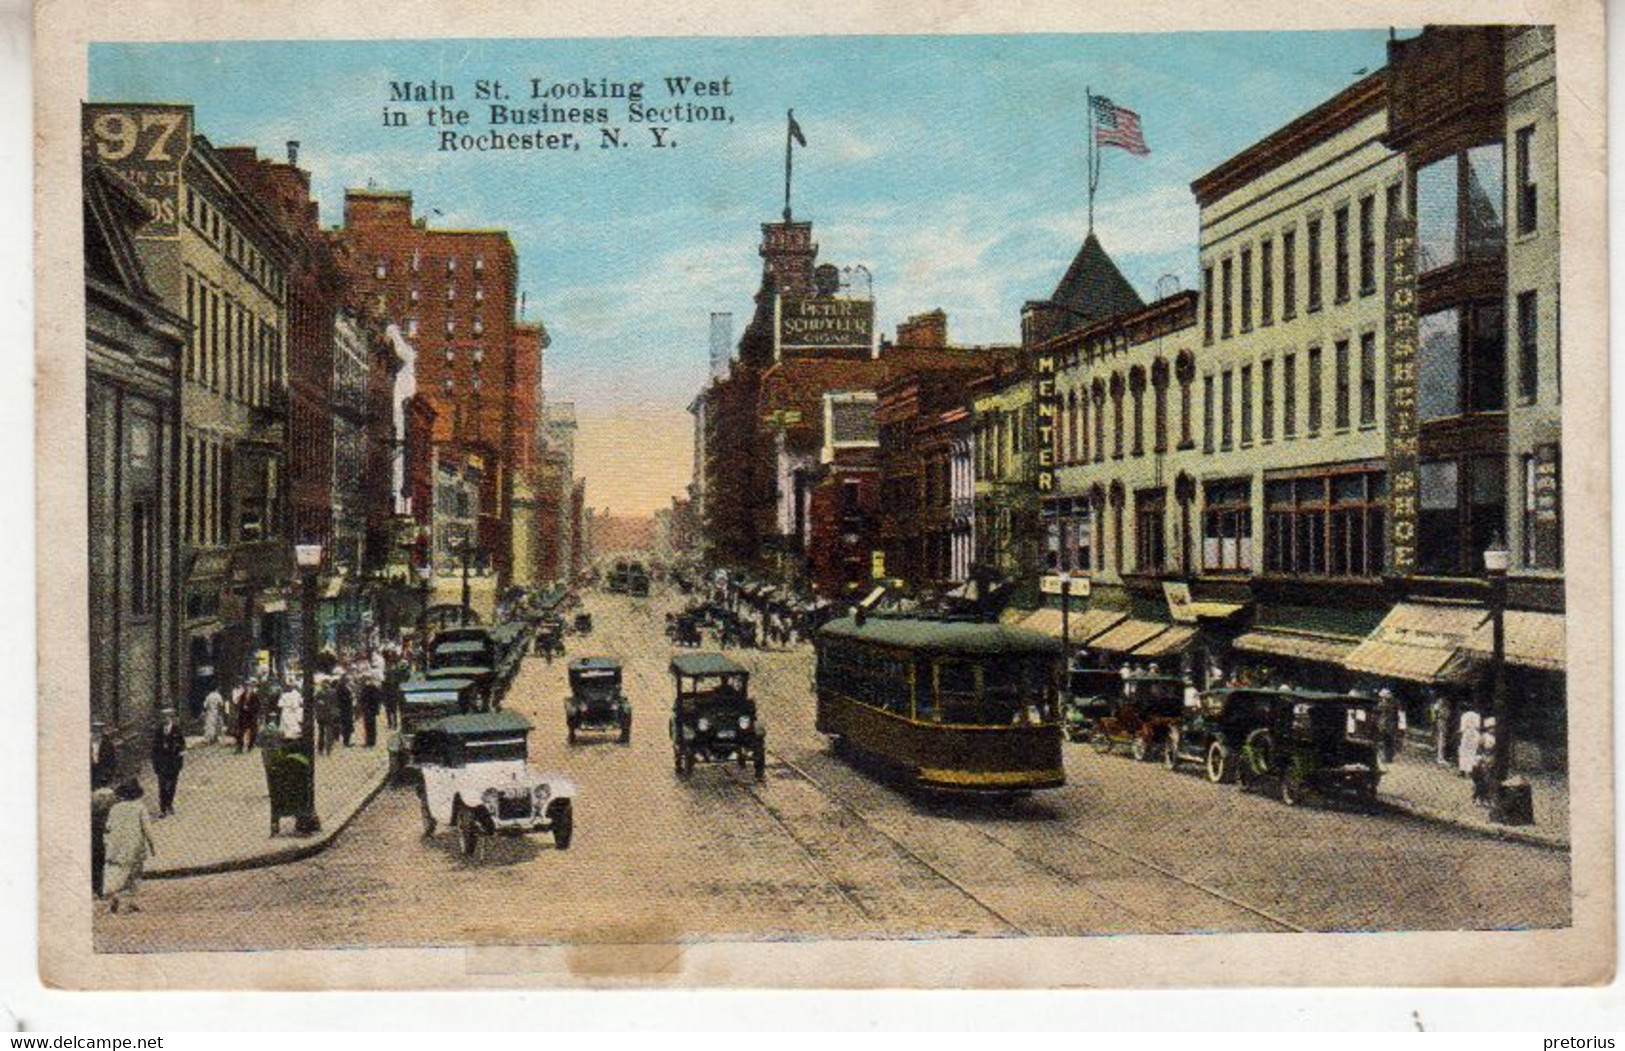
(309, 560)
(1509, 802)
(1066, 617)
(425, 577)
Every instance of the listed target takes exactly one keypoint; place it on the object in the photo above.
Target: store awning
(1127, 635)
(1215, 610)
(1301, 646)
(1418, 642)
(1170, 642)
(1533, 640)
(1085, 624)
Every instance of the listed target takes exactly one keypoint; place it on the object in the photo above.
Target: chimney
(293, 152)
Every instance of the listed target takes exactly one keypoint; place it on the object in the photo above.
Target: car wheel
(563, 824)
(626, 730)
(685, 762)
(1102, 744)
(570, 732)
(1221, 768)
(1140, 749)
(468, 832)
(429, 823)
(761, 760)
(1170, 750)
(1292, 790)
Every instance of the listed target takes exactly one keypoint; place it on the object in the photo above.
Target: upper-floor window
(1266, 283)
(1289, 275)
(1226, 288)
(1314, 264)
(1528, 323)
(1523, 148)
(1340, 254)
(381, 271)
(1207, 414)
(1266, 418)
(1227, 416)
(1289, 396)
(1341, 405)
(1463, 362)
(1246, 405)
(1246, 289)
(1368, 379)
(1459, 208)
(1316, 388)
(1207, 304)
(1368, 245)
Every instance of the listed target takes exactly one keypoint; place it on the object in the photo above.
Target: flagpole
(789, 154)
(1089, 156)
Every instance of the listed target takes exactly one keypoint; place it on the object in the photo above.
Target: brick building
(453, 292)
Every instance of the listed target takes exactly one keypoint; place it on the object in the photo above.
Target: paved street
(823, 849)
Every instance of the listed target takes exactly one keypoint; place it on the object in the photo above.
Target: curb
(1511, 835)
(282, 855)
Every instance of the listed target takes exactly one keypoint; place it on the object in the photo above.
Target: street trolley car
(953, 705)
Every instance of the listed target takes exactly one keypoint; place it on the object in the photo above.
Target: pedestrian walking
(1439, 711)
(1388, 724)
(1483, 769)
(392, 690)
(128, 846)
(290, 713)
(344, 699)
(372, 698)
(101, 804)
(1468, 742)
(103, 756)
(168, 756)
(214, 716)
(248, 716)
(327, 715)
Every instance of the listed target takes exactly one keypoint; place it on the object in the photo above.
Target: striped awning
(1126, 636)
(1172, 641)
(1533, 640)
(1301, 646)
(1418, 642)
(1085, 623)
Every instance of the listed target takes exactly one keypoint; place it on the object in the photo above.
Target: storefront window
(1439, 522)
(1463, 510)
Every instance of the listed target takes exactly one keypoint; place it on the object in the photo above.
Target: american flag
(1116, 126)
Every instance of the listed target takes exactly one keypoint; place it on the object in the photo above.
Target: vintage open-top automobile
(1090, 695)
(1315, 743)
(422, 702)
(1149, 707)
(475, 779)
(713, 718)
(1300, 740)
(596, 702)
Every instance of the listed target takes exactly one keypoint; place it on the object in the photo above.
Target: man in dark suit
(168, 755)
(372, 698)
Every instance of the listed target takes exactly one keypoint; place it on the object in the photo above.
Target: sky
(951, 167)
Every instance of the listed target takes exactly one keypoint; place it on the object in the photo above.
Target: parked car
(1149, 707)
(713, 718)
(424, 701)
(596, 702)
(1316, 744)
(1091, 695)
(475, 779)
(1300, 740)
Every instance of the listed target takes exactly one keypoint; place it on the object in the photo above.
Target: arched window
(1136, 386)
(1159, 401)
(1185, 372)
(1070, 453)
(1117, 415)
(1100, 421)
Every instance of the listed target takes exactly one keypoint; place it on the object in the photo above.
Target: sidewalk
(1417, 785)
(222, 818)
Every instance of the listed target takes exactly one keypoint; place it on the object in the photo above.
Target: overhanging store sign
(825, 322)
(1045, 403)
(146, 145)
(1402, 415)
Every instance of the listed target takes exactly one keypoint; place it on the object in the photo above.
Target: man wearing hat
(103, 756)
(168, 754)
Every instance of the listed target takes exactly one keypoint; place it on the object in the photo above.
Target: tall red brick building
(453, 293)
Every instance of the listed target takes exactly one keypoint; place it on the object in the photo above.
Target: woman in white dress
(128, 845)
(1467, 743)
(214, 716)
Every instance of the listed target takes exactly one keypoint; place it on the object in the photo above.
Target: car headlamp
(703, 724)
(540, 793)
(744, 722)
(490, 797)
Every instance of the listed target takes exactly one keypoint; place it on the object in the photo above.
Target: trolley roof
(952, 637)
